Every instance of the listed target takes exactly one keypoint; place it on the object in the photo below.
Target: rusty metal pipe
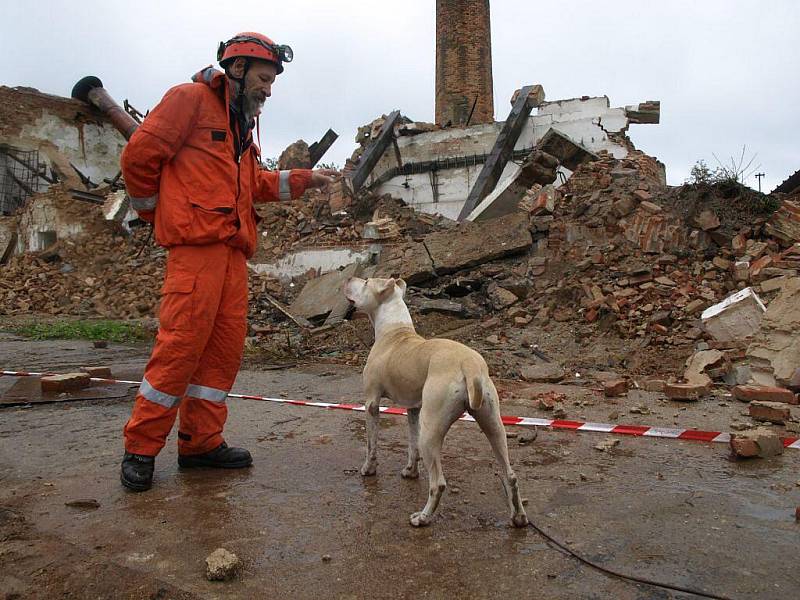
(90, 89)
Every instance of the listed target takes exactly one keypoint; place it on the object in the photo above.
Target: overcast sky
(726, 71)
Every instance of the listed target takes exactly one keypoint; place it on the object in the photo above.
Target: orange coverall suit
(187, 170)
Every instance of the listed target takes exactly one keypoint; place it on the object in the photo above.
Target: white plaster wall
(588, 122)
(42, 216)
(97, 157)
(322, 260)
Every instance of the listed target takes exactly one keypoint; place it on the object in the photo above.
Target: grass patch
(112, 331)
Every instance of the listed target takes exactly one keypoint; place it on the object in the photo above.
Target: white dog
(436, 380)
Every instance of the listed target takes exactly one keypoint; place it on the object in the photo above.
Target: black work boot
(221, 457)
(137, 471)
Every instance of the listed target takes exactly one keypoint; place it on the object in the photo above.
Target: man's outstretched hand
(322, 177)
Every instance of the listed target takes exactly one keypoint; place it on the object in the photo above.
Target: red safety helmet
(250, 44)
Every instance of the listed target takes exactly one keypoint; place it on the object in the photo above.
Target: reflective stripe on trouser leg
(202, 414)
(191, 299)
(207, 393)
(157, 396)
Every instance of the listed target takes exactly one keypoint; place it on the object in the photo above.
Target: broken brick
(98, 372)
(615, 387)
(759, 442)
(767, 393)
(774, 412)
(685, 391)
(66, 382)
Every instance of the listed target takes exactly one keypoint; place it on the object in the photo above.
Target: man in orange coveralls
(192, 169)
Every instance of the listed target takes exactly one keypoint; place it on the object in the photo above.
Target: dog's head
(368, 294)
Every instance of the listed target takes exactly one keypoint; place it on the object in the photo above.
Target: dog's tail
(474, 380)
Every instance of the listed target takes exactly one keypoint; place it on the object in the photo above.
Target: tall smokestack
(463, 62)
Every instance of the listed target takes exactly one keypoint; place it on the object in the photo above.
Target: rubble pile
(103, 274)
(618, 254)
(312, 222)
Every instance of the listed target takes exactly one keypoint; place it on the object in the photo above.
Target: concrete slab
(323, 296)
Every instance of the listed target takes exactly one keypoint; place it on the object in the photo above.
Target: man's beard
(252, 105)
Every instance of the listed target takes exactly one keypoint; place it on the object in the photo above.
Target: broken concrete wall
(774, 354)
(51, 216)
(591, 122)
(318, 260)
(31, 120)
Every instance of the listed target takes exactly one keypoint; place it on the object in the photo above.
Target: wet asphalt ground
(307, 525)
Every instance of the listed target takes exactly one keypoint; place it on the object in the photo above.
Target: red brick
(685, 391)
(463, 62)
(615, 387)
(748, 393)
(774, 412)
(759, 265)
(99, 372)
(760, 442)
(64, 383)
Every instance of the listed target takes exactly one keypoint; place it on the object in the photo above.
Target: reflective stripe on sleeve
(285, 191)
(207, 393)
(140, 204)
(154, 395)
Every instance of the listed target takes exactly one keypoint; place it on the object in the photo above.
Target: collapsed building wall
(433, 171)
(68, 138)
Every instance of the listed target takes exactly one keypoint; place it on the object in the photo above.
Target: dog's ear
(387, 288)
(402, 285)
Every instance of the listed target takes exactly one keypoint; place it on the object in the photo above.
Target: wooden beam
(500, 154)
(318, 149)
(375, 150)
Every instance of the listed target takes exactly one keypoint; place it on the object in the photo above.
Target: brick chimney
(463, 62)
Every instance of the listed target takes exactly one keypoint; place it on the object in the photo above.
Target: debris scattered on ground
(57, 384)
(607, 445)
(86, 503)
(222, 565)
(759, 442)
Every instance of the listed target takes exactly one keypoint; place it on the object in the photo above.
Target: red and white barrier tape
(694, 435)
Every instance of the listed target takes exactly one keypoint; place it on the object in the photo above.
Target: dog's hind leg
(372, 416)
(488, 418)
(435, 420)
(411, 470)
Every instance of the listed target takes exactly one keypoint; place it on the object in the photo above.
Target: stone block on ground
(759, 442)
(99, 372)
(697, 364)
(685, 391)
(767, 393)
(501, 297)
(774, 412)
(543, 373)
(222, 565)
(65, 382)
(615, 387)
(737, 317)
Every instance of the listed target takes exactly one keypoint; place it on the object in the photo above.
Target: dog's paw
(418, 519)
(520, 520)
(410, 472)
(369, 469)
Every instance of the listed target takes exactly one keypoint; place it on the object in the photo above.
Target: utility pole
(759, 176)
